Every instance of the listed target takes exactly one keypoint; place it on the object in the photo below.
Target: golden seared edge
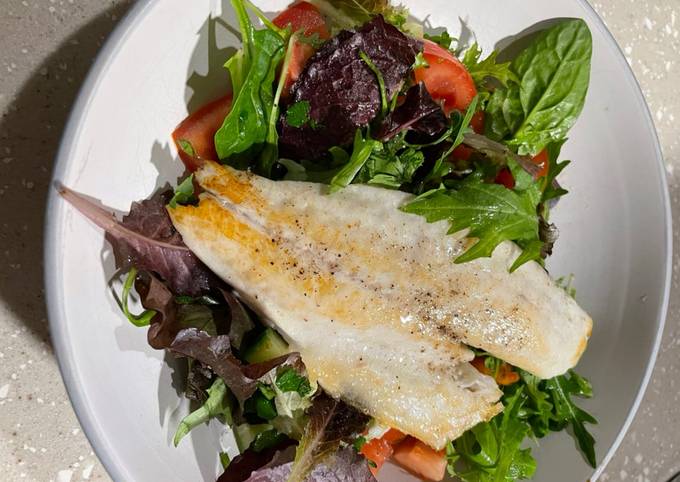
(406, 379)
(405, 265)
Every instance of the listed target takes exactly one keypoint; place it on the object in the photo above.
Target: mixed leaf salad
(354, 91)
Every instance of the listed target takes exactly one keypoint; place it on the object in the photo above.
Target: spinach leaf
(247, 127)
(553, 73)
(492, 213)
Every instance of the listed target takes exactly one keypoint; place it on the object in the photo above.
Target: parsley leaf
(481, 70)
(289, 380)
(297, 114)
(391, 165)
(491, 212)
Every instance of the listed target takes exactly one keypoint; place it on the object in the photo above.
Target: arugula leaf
(247, 127)
(184, 193)
(297, 114)
(552, 190)
(443, 39)
(553, 73)
(361, 151)
(490, 451)
(218, 404)
(491, 212)
(481, 70)
(561, 389)
(347, 14)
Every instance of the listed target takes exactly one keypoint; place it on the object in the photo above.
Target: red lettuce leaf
(419, 112)
(215, 352)
(246, 464)
(147, 240)
(331, 421)
(344, 466)
(342, 91)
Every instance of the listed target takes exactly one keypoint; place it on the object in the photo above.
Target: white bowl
(615, 228)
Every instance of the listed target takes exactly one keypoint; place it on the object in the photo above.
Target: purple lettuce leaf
(344, 466)
(146, 239)
(342, 91)
(249, 462)
(331, 422)
(419, 112)
(215, 352)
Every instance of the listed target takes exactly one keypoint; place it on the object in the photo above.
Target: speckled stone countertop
(46, 49)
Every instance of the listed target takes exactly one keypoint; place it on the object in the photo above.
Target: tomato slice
(377, 451)
(446, 78)
(505, 178)
(305, 17)
(195, 136)
(420, 459)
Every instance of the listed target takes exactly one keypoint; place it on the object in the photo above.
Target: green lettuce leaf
(218, 404)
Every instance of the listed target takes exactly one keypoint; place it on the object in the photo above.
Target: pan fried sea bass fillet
(370, 297)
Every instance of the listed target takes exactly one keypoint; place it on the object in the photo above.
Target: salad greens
(553, 73)
(247, 128)
(355, 114)
(491, 212)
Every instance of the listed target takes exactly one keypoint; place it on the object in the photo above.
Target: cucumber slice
(269, 345)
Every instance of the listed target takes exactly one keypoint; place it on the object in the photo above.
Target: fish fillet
(371, 298)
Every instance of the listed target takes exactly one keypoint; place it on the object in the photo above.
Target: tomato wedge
(380, 449)
(446, 78)
(541, 159)
(195, 136)
(377, 451)
(305, 17)
(420, 459)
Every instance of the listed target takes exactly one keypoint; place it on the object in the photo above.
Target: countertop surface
(46, 49)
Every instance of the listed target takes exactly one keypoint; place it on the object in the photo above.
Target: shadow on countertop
(30, 132)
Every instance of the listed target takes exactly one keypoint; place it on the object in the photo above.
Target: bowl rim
(54, 302)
